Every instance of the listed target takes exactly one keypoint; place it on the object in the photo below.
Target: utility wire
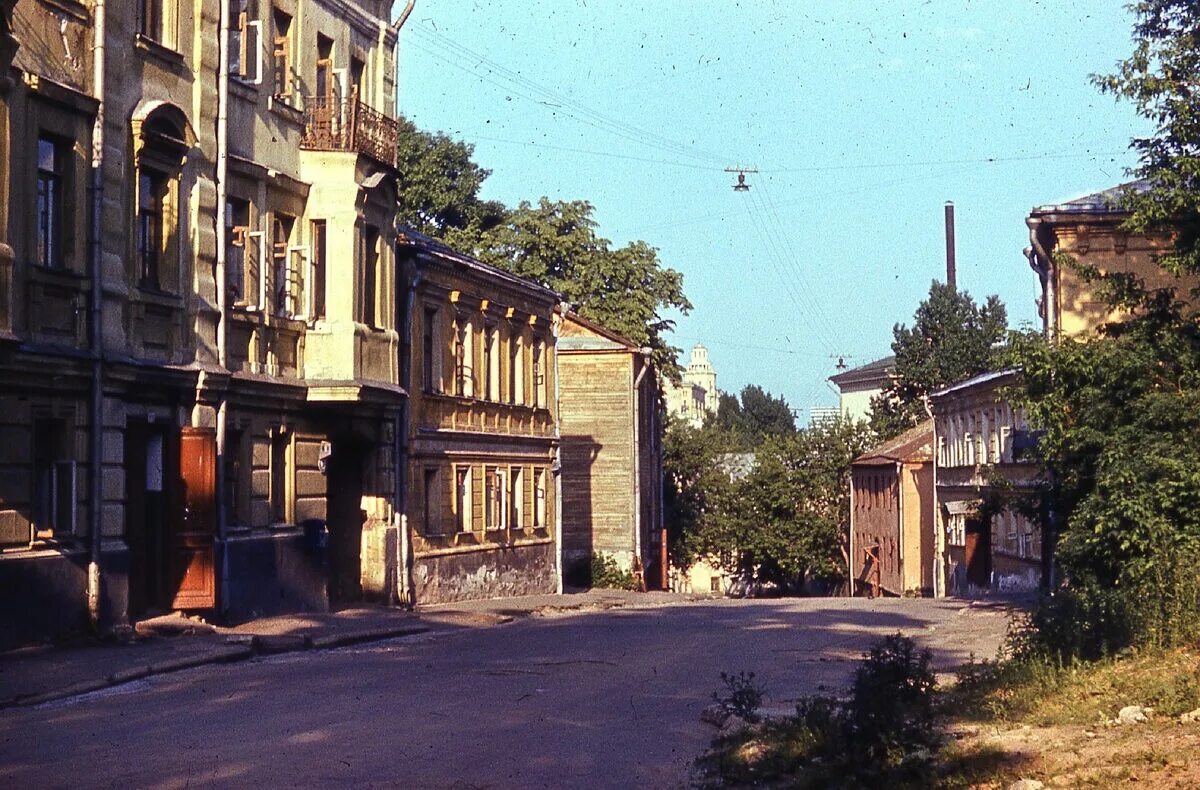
(553, 98)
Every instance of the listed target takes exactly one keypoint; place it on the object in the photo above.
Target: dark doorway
(979, 552)
(170, 517)
(148, 450)
(345, 521)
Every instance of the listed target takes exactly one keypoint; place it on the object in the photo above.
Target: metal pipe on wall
(96, 324)
(220, 275)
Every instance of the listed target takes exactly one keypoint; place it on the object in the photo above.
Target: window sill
(243, 89)
(59, 275)
(159, 51)
(70, 8)
(286, 111)
(160, 298)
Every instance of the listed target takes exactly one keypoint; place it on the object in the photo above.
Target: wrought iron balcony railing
(335, 124)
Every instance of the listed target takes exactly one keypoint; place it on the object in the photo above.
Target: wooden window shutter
(281, 56)
(477, 498)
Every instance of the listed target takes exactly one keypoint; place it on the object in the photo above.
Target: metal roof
(410, 237)
(878, 369)
(1107, 201)
(915, 444)
(976, 381)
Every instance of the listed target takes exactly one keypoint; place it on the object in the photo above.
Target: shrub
(601, 572)
(891, 707)
(743, 697)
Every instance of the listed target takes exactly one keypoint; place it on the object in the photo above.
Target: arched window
(162, 139)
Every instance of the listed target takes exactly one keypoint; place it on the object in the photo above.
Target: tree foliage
(1162, 79)
(439, 186)
(757, 415)
(785, 521)
(1120, 447)
(625, 289)
(952, 338)
(555, 243)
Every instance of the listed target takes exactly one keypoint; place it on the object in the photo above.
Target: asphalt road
(593, 699)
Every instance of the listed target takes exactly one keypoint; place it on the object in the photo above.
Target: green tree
(1162, 79)
(765, 415)
(695, 486)
(439, 186)
(1120, 449)
(625, 289)
(729, 412)
(785, 522)
(952, 338)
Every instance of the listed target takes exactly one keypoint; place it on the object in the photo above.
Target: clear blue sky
(863, 119)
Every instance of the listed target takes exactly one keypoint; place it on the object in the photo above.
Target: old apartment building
(611, 422)
(988, 542)
(198, 324)
(481, 443)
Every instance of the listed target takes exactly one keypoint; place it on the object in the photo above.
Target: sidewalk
(33, 675)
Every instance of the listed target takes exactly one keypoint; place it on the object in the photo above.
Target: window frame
(281, 53)
(51, 238)
(463, 497)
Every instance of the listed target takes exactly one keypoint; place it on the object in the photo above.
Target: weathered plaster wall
(495, 573)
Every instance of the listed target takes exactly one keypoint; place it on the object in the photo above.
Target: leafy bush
(891, 708)
(601, 572)
(743, 697)
(883, 736)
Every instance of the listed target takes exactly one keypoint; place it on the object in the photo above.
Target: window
(368, 274)
(516, 370)
(462, 498)
(539, 498)
(431, 503)
(286, 267)
(281, 55)
(324, 83)
(237, 482)
(464, 378)
(428, 350)
(242, 254)
(494, 493)
(357, 67)
(245, 42)
(491, 362)
(156, 21)
(51, 183)
(538, 376)
(161, 143)
(279, 477)
(516, 497)
(54, 483)
(319, 246)
(151, 226)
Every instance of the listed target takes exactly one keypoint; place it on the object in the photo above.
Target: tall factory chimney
(950, 267)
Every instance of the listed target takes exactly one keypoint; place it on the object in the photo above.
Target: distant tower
(700, 372)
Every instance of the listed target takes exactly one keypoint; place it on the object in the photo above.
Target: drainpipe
(637, 459)
(557, 466)
(96, 326)
(407, 588)
(939, 530)
(850, 555)
(900, 522)
(399, 23)
(221, 277)
(1042, 262)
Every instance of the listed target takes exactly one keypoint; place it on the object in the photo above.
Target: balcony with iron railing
(332, 123)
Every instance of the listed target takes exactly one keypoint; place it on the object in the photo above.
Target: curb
(226, 654)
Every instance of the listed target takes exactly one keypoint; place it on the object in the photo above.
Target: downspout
(939, 530)
(557, 465)
(900, 523)
(1042, 262)
(407, 588)
(96, 326)
(221, 277)
(399, 23)
(637, 459)
(850, 544)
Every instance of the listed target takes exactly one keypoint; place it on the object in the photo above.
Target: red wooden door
(978, 552)
(192, 553)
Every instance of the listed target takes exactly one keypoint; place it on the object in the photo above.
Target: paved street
(606, 698)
